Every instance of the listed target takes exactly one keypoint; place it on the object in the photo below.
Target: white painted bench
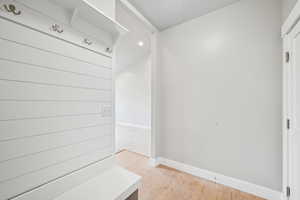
(113, 184)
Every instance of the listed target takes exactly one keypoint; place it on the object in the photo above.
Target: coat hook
(12, 8)
(108, 50)
(56, 28)
(87, 41)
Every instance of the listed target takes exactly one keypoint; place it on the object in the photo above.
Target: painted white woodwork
(292, 112)
(106, 6)
(43, 42)
(89, 10)
(50, 142)
(154, 96)
(291, 109)
(291, 20)
(25, 129)
(29, 163)
(113, 184)
(54, 59)
(57, 186)
(29, 91)
(27, 73)
(139, 15)
(11, 110)
(286, 110)
(86, 22)
(56, 100)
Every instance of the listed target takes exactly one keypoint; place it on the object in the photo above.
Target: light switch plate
(106, 111)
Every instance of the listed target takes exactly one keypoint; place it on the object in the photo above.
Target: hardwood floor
(163, 183)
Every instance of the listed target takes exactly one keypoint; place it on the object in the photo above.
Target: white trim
(139, 15)
(243, 186)
(154, 95)
(133, 125)
(285, 115)
(287, 32)
(289, 111)
(114, 53)
(291, 20)
(153, 162)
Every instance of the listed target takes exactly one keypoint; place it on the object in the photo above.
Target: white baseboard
(153, 162)
(243, 186)
(133, 125)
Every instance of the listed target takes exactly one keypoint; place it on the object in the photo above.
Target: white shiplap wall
(51, 102)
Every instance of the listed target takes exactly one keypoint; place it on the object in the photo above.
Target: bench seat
(113, 184)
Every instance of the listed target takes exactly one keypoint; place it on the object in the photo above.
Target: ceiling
(166, 13)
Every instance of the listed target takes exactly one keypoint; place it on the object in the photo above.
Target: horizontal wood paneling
(33, 180)
(14, 90)
(40, 41)
(32, 56)
(28, 73)
(21, 129)
(32, 163)
(51, 121)
(31, 145)
(29, 110)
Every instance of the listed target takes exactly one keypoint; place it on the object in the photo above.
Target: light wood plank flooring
(163, 183)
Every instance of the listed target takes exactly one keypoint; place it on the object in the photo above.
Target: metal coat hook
(12, 8)
(56, 28)
(108, 50)
(87, 41)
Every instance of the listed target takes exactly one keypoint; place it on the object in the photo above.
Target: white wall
(133, 94)
(287, 6)
(220, 92)
(133, 108)
(133, 138)
(133, 85)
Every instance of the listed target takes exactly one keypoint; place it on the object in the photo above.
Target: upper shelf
(93, 15)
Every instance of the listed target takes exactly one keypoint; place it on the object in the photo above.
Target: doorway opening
(133, 85)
